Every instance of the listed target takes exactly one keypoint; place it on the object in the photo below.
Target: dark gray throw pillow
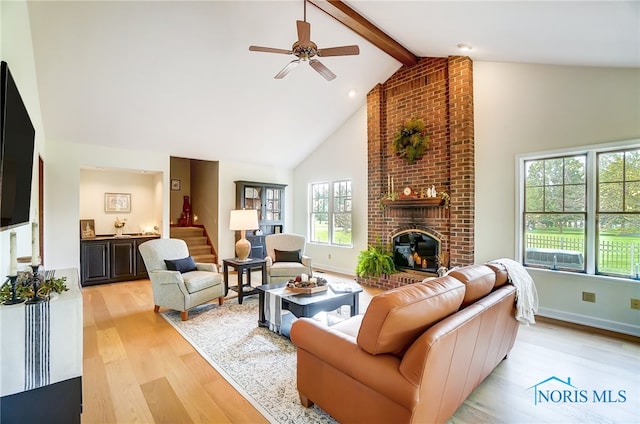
(288, 255)
(183, 265)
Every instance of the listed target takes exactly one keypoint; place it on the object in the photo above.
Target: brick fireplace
(439, 91)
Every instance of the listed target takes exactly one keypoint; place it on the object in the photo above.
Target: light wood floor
(137, 368)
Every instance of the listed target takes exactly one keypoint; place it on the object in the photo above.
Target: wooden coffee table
(308, 305)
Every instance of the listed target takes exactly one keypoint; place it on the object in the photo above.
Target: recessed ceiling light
(464, 47)
(352, 93)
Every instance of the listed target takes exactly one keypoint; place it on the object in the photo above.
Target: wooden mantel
(414, 208)
(428, 202)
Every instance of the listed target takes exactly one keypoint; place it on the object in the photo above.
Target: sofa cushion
(394, 319)
(195, 281)
(502, 276)
(183, 265)
(478, 279)
(288, 255)
(287, 269)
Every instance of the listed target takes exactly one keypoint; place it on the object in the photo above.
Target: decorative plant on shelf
(375, 261)
(22, 291)
(56, 285)
(25, 284)
(412, 140)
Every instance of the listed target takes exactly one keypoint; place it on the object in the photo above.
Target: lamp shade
(245, 219)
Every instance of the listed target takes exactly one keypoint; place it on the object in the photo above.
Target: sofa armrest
(202, 266)
(269, 261)
(340, 351)
(306, 261)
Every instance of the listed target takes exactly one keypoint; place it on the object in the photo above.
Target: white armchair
(285, 257)
(190, 284)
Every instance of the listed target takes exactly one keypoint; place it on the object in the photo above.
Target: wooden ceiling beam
(359, 24)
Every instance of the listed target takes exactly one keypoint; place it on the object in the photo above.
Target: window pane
(342, 229)
(556, 185)
(319, 228)
(575, 198)
(632, 197)
(553, 199)
(574, 170)
(618, 244)
(554, 171)
(535, 199)
(610, 167)
(610, 196)
(341, 223)
(618, 239)
(555, 240)
(535, 173)
(319, 217)
(632, 165)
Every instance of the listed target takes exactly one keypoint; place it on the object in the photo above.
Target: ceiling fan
(305, 49)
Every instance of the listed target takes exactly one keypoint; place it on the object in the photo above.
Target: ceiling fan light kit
(305, 49)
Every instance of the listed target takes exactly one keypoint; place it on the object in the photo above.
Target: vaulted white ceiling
(178, 75)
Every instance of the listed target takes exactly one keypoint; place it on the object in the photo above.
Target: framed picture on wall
(175, 185)
(87, 229)
(117, 202)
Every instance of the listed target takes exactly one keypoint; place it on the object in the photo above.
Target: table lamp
(243, 220)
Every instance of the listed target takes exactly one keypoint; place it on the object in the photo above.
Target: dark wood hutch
(268, 200)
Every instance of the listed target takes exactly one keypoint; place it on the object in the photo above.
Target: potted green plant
(411, 140)
(375, 261)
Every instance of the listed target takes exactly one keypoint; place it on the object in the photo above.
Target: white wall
(342, 156)
(17, 50)
(529, 108)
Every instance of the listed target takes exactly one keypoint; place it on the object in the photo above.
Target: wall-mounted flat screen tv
(17, 137)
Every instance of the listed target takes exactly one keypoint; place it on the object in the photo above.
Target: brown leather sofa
(415, 355)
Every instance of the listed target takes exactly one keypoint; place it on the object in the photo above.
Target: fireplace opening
(415, 250)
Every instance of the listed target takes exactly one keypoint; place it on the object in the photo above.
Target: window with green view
(330, 213)
(581, 212)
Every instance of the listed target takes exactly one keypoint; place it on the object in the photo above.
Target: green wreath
(412, 140)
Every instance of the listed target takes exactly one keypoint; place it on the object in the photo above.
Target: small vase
(118, 232)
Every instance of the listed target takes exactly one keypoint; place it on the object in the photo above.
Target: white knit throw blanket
(526, 293)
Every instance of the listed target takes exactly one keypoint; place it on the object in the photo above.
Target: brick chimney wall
(440, 91)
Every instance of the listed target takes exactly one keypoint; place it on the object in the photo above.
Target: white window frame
(591, 176)
(330, 212)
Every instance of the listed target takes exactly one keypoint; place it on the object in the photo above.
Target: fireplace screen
(416, 251)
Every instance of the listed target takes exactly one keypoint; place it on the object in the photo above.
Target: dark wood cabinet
(268, 200)
(95, 261)
(123, 259)
(111, 259)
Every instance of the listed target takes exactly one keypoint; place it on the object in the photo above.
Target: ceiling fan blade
(339, 51)
(269, 50)
(322, 70)
(304, 32)
(287, 69)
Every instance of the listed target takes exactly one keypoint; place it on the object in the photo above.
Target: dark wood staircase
(198, 242)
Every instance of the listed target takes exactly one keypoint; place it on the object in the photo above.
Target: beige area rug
(260, 364)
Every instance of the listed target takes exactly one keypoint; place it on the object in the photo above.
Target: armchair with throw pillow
(285, 257)
(176, 280)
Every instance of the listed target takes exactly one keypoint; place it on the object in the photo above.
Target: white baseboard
(321, 268)
(604, 324)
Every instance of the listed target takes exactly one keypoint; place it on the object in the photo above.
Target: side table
(243, 289)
